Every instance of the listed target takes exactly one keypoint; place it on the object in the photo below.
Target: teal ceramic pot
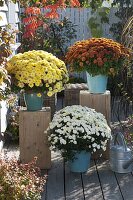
(81, 162)
(97, 84)
(33, 102)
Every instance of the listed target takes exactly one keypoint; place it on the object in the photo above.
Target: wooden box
(72, 93)
(101, 103)
(32, 139)
(51, 102)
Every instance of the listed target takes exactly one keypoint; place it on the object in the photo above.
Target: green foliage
(95, 4)
(73, 79)
(124, 12)
(53, 37)
(96, 28)
(20, 181)
(58, 36)
(98, 19)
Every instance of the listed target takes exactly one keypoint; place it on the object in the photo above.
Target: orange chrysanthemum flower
(97, 56)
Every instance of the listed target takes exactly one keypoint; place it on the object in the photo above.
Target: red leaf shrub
(20, 181)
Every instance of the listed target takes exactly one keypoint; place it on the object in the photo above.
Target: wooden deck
(99, 183)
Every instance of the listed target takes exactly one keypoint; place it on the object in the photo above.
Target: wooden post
(101, 103)
(32, 140)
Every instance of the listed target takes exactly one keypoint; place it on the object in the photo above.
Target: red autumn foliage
(32, 20)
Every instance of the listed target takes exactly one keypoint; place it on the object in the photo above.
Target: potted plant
(36, 72)
(99, 57)
(77, 132)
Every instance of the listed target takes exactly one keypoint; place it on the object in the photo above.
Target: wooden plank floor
(99, 183)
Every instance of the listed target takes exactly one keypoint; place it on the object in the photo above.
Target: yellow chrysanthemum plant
(37, 71)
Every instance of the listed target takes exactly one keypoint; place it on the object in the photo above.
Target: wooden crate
(48, 102)
(51, 102)
(101, 103)
(72, 93)
(32, 140)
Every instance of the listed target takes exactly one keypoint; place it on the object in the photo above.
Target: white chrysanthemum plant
(76, 128)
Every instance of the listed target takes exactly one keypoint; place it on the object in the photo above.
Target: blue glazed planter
(97, 84)
(33, 102)
(81, 163)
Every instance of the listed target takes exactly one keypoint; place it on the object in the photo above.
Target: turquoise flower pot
(33, 102)
(97, 84)
(81, 162)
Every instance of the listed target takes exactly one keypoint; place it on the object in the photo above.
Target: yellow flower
(50, 88)
(37, 83)
(49, 93)
(39, 94)
(31, 85)
(1, 80)
(21, 85)
(47, 85)
(50, 81)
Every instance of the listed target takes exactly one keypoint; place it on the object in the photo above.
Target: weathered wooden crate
(32, 139)
(51, 102)
(48, 102)
(101, 103)
(72, 93)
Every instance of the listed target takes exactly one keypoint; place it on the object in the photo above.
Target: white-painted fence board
(80, 17)
(3, 18)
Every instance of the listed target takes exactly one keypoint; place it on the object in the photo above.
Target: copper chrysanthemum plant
(97, 56)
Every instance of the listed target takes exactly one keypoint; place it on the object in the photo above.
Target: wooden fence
(80, 18)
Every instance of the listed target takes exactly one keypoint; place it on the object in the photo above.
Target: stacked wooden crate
(72, 93)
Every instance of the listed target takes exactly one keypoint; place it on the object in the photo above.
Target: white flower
(104, 148)
(62, 141)
(74, 131)
(51, 148)
(59, 125)
(98, 146)
(97, 133)
(75, 123)
(75, 142)
(94, 145)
